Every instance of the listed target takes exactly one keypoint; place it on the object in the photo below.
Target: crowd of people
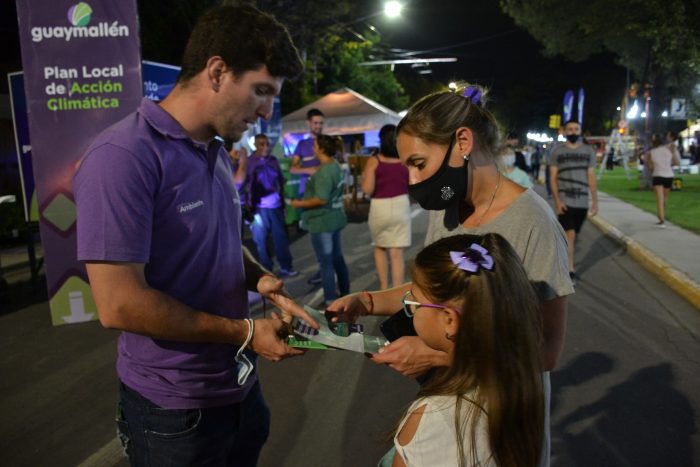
(161, 205)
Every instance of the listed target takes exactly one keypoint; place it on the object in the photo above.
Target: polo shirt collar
(165, 124)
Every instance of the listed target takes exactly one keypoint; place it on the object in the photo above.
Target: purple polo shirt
(305, 151)
(147, 193)
(273, 200)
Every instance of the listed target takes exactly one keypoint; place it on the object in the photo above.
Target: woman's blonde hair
(497, 364)
(436, 117)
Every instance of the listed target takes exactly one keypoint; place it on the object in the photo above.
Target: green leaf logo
(80, 14)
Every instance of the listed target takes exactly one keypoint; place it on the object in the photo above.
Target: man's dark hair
(571, 120)
(246, 39)
(387, 141)
(512, 135)
(262, 135)
(314, 113)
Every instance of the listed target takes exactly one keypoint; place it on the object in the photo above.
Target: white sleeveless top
(661, 158)
(435, 441)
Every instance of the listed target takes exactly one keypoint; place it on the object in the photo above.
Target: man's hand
(268, 340)
(594, 208)
(410, 356)
(348, 308)
(560, 208)
(272, 288)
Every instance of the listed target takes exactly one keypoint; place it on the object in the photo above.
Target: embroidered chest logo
(187, 207)
(446, 193)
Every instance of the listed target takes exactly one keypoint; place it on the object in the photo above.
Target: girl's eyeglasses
(410, 306)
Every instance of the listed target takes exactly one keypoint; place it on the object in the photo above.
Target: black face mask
(572, 138)
(446, 187)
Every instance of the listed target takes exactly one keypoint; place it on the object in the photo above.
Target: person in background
(660, 161)
(158, 225)
(304, 162)
(572, 167)
(513, 142)
(238, 155)
(389, 220)
(511, 171)
(471, 299)
(449, 142)
(536, 163)
(264, 194)
(324, 218)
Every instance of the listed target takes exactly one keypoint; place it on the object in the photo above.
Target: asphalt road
(625, 393)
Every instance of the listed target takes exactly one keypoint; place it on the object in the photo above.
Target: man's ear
(215, 69)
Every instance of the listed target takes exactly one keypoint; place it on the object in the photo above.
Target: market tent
(347, 112)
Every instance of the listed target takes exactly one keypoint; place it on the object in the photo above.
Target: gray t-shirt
(572, 173)
(531, 228)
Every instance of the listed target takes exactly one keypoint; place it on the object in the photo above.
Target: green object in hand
(301, 343)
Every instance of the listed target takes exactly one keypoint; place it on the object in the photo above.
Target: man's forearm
(253, 270)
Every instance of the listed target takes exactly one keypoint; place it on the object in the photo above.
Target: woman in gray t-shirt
(448, 142)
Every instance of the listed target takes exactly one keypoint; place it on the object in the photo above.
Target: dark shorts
(665, 182)
(573, 218)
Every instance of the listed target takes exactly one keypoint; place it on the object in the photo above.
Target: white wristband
(249, 337)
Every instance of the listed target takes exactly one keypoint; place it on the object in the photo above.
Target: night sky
(525, 87)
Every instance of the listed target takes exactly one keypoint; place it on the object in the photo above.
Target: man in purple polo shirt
(159, 231)
(304, 163)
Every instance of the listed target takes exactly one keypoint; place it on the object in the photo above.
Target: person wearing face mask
(449, 142)
(572, 176)
(514, 173)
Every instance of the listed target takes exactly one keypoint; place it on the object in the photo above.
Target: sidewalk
(669, 253)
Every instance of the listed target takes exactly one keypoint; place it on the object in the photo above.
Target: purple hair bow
(473, 94)
(472, 259)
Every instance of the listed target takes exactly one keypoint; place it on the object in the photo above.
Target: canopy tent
(347, 112)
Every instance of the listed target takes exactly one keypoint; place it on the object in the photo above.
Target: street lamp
(393, 9)
(633, 111)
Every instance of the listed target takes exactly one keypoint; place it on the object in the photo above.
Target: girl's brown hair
(436, 117)
(497, 365)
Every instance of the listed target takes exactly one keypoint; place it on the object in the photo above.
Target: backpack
(265, 180)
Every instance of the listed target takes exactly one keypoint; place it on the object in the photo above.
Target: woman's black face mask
(447, 186)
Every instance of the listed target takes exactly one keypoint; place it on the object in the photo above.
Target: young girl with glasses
(471, 299)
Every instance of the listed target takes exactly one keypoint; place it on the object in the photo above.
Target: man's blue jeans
(231, 435)
(329, 254)
(268, 220)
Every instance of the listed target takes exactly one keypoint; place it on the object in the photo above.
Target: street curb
(677, 280)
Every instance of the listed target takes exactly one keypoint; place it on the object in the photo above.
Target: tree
(657, 40)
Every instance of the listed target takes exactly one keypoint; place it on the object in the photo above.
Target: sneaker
(661, 224)
(288, 272)
(315, 279)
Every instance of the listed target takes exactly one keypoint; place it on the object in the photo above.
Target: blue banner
(18, 102)
(581, 97)
(158, 79)
(568, 105)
